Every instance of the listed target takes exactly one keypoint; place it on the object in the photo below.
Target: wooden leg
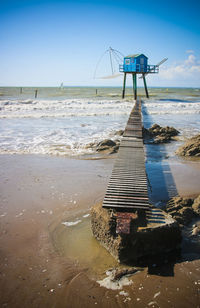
(145, 86)
(135, 86)
(124, 86)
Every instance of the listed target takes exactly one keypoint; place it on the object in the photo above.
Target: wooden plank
(127, 187)
(127, 193)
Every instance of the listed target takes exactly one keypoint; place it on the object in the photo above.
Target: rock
(106, 142)
(196, 231)
(105, 145)
(90, 145)
(108, 145)
(196, 205)
(156, 130)
(140, 244)
(115, 149)
(190, 148)
(187, 214)
(124, 272)
(119, 132)
(183, 210)
(158, 134)
(162, 139)
(178, 202)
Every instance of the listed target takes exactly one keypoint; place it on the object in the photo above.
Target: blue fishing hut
(137, 64)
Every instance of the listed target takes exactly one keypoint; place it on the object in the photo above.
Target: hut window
(127, 61)
(141, 60)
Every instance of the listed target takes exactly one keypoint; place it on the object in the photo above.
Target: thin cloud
(188, 69)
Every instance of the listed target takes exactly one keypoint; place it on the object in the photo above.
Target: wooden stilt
(145, 85)
(36, 93)
(124, 86)
(135, 86)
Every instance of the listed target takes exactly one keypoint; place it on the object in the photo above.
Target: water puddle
(74, 239)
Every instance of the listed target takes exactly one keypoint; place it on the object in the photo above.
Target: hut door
(142, 64)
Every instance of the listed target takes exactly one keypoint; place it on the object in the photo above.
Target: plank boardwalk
(127, 187)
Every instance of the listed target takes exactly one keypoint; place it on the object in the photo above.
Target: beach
(50, 179)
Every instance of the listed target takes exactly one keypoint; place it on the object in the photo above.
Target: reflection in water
(162, 186)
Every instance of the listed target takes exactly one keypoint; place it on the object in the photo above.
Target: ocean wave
(69, 127)
(169, 107)
(53, 141)
(64, 108)
(37, 109)
(181, 112)
(52, 152)
(64, 115)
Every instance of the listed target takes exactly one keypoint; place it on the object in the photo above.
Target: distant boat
(61, 85)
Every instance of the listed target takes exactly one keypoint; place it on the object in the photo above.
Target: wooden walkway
(127, 187)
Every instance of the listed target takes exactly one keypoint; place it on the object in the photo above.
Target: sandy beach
(37, 193)
(99, 154)
(48, 255)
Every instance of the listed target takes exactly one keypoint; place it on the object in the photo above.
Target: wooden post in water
(36, 92)
(145, 85)
(135, 85)
(21, 90)
(96, 91)
(124, 85)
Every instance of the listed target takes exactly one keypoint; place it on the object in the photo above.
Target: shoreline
(39, 194)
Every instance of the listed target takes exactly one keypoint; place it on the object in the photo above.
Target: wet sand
(48, 255)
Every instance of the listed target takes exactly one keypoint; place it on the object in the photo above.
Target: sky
(46, 42)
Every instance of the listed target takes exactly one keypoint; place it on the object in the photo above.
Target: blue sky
(44, 43)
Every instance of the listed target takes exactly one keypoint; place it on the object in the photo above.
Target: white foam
(156, 294)
(3, 215)
(86, 215)
(71, 223)
(62, 108)
(123, 293)
(59, 128)
(18, 215)
(169, 107)
(152, 303)
(114, 285)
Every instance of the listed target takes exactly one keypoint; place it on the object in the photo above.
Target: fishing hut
(137, 64)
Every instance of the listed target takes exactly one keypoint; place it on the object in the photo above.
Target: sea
(66, 121)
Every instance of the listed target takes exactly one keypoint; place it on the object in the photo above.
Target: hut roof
(135, 55)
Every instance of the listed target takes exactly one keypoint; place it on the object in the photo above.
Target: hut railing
(138, 68)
